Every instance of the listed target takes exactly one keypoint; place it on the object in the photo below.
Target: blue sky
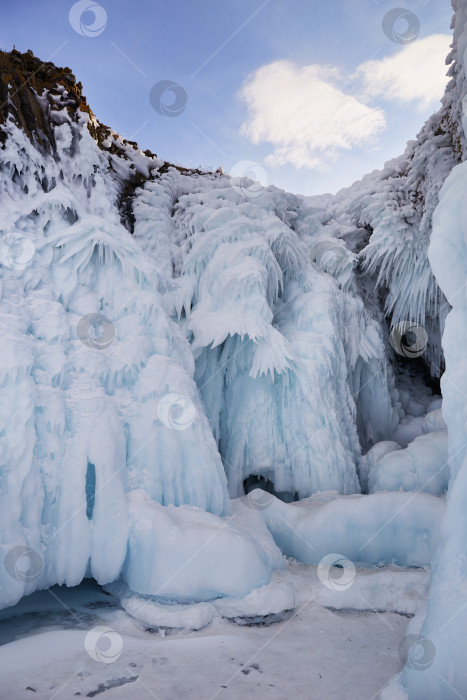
(313, 91)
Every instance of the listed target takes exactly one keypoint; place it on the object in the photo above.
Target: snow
(417, 402)
(372, 457)
(434, 421)
(272, 599)
(388, 588)
(188, 616)
(226, 662)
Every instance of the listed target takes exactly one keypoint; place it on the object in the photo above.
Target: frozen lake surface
(313, 652)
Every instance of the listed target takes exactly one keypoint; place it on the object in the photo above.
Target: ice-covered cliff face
(169, 336)
(387, 216)
(164, 332)
(447, 606)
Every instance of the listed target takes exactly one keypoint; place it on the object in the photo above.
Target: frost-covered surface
(444, 625)
(269, 332)
(373, 457)
(69, 404)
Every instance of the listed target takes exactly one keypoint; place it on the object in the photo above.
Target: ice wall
(164, 333)
(447, 610)
(446, 618)
(272, 333)
(168, 334)
(97, 393)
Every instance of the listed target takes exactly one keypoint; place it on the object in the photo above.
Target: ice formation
(422, 466)
(384, 528)
(446, 615)
(168, 334)
(184, 553)
(172, 337)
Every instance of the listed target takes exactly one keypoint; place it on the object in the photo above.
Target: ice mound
(186, 554)
(372, 457)
(383, 528)
(157, 614)
(272, 599)
(422, 466)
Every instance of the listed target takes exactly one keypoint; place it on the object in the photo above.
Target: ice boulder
(165, 614)
(422, 466)
(189, 555)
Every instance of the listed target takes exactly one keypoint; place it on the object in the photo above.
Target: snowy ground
(312, 652)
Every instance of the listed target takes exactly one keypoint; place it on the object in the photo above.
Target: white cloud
(416, 74)
(304, 113)
(309, 115)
